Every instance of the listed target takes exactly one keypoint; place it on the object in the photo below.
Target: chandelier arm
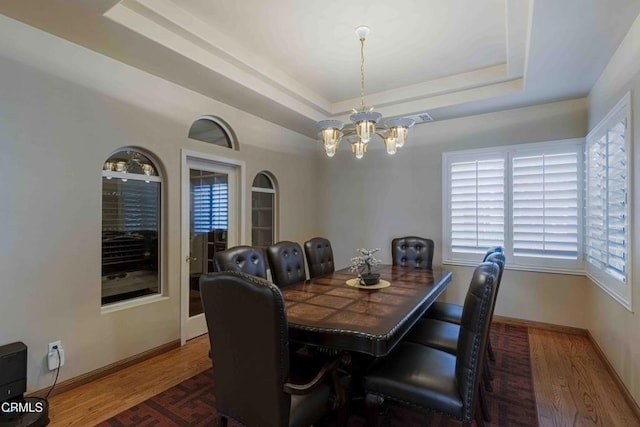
(347, 131)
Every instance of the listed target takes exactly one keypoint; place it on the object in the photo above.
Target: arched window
(213, 130)
(131, 190)
(263, 210)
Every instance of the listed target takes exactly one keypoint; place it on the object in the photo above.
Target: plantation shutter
(477, 205)
(545, 204)
(606, 208)
(617, 201)
(595, 227)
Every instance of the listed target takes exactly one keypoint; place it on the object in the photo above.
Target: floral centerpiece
(363, 265)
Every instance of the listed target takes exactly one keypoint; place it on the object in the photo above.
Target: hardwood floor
(572, 384)
(97, 401)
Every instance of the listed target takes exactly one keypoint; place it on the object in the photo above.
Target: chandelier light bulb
(359, 148)
(401, 135)
(330, 150)
(331, 137)
(365, 129)
(390, 145)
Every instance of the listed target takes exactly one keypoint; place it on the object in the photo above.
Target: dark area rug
(512, 402)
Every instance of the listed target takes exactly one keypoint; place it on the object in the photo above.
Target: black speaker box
(13, 371)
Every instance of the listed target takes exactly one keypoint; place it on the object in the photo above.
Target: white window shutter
(545, 205)
(617, 201)
(606, 210)
(607, 176)
(477, 205)
(596, 201)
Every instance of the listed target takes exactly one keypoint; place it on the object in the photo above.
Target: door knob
(190, 258)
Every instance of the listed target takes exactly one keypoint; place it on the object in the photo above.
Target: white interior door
(210, 224)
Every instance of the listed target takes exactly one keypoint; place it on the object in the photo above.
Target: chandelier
(393, 134)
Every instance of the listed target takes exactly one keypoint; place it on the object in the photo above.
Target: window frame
(273, 190)
(232, 140)
(507, 153)
(618, 290)
(449, 257)
(161, 293)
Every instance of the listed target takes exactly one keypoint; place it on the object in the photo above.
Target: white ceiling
(295, 62)
(314, 41)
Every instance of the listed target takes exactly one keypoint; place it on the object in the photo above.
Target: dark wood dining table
(328, 313)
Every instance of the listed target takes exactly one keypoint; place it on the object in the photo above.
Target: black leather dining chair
(248, 332)
(451, 312)
(319, 257)
(412, 251)
(286, 261)
(426, 378)
(244, 259)
(444, 335)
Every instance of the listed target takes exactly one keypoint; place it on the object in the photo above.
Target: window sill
(626, 303)
(527, 268)
(136, 302)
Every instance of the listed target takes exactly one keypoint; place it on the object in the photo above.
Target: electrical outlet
(54, 344)
(55, 355)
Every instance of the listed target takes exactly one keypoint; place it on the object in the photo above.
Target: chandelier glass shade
(363, 127)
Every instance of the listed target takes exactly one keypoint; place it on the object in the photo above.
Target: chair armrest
(328, 368)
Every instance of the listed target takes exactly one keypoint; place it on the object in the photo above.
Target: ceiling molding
(168, 24)
(294, 63)
(431, 88)
(165, 23)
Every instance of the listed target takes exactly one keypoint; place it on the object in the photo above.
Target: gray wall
(367, 202)
(616, 329)
(56, 130)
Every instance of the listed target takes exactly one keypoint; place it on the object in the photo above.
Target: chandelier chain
(362, 73)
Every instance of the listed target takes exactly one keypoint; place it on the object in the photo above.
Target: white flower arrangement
(365, 261)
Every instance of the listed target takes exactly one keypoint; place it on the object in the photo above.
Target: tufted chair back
(411, 251)
(474, 331)
(243, 259)
(248, 331)
(286, 261)
(319, 257)
(498, 258)
(491, 251)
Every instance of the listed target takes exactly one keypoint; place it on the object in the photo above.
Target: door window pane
(209, 227)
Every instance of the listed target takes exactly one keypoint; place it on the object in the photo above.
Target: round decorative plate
(355, 282)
